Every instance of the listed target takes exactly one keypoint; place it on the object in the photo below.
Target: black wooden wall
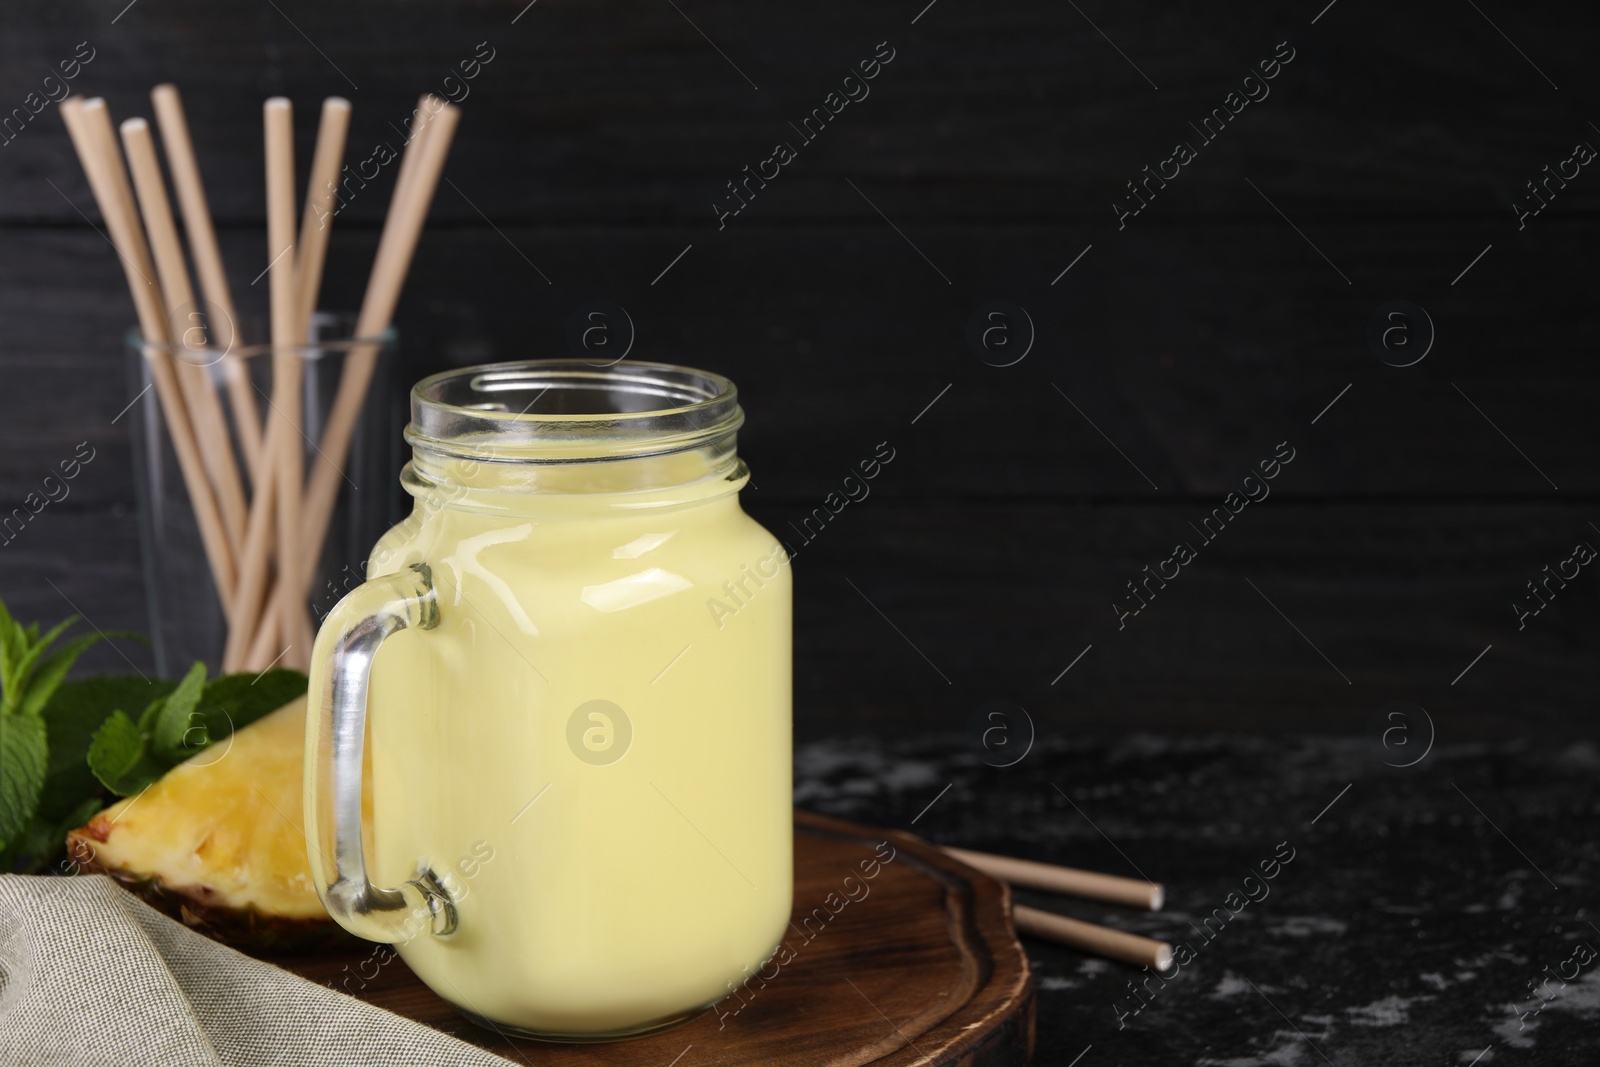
(1173, 351)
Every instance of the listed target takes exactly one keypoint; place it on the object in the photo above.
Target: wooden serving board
(925, 968)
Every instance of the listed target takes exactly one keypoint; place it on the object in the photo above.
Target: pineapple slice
(219, 842)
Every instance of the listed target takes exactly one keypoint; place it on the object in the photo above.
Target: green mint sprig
(63, 744)
(28, 678)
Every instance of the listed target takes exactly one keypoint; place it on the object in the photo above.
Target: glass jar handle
(336, 727)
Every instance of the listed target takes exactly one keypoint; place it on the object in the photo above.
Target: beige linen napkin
(89, 974)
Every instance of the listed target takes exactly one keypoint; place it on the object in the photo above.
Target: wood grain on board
(925, 968)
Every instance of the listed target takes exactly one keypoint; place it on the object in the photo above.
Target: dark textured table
(1434, 914)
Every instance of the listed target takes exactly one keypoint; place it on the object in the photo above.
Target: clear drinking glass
(187, 622)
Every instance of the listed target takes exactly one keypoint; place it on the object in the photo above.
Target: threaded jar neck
(566, 426)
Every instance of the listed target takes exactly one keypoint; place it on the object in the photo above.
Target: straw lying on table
(1100, 940)
(262, 546)
(1110, 888)
(1088, 937)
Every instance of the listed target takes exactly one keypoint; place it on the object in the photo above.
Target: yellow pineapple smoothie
(591, 748)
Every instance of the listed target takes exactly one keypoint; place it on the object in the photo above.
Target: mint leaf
(118, 756)
(33, 648)
(117, 745)
(12, 642)
(25, 682)
(234, 701)
(175, 724)
(48, 677)
(24, 754)
(79, 707)
(42, 797)
(72, 715)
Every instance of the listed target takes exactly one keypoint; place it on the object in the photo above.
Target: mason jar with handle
(565, 690)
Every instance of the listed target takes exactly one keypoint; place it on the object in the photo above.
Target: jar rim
(576, 410)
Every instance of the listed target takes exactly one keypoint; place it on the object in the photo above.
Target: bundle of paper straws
(262, 545)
